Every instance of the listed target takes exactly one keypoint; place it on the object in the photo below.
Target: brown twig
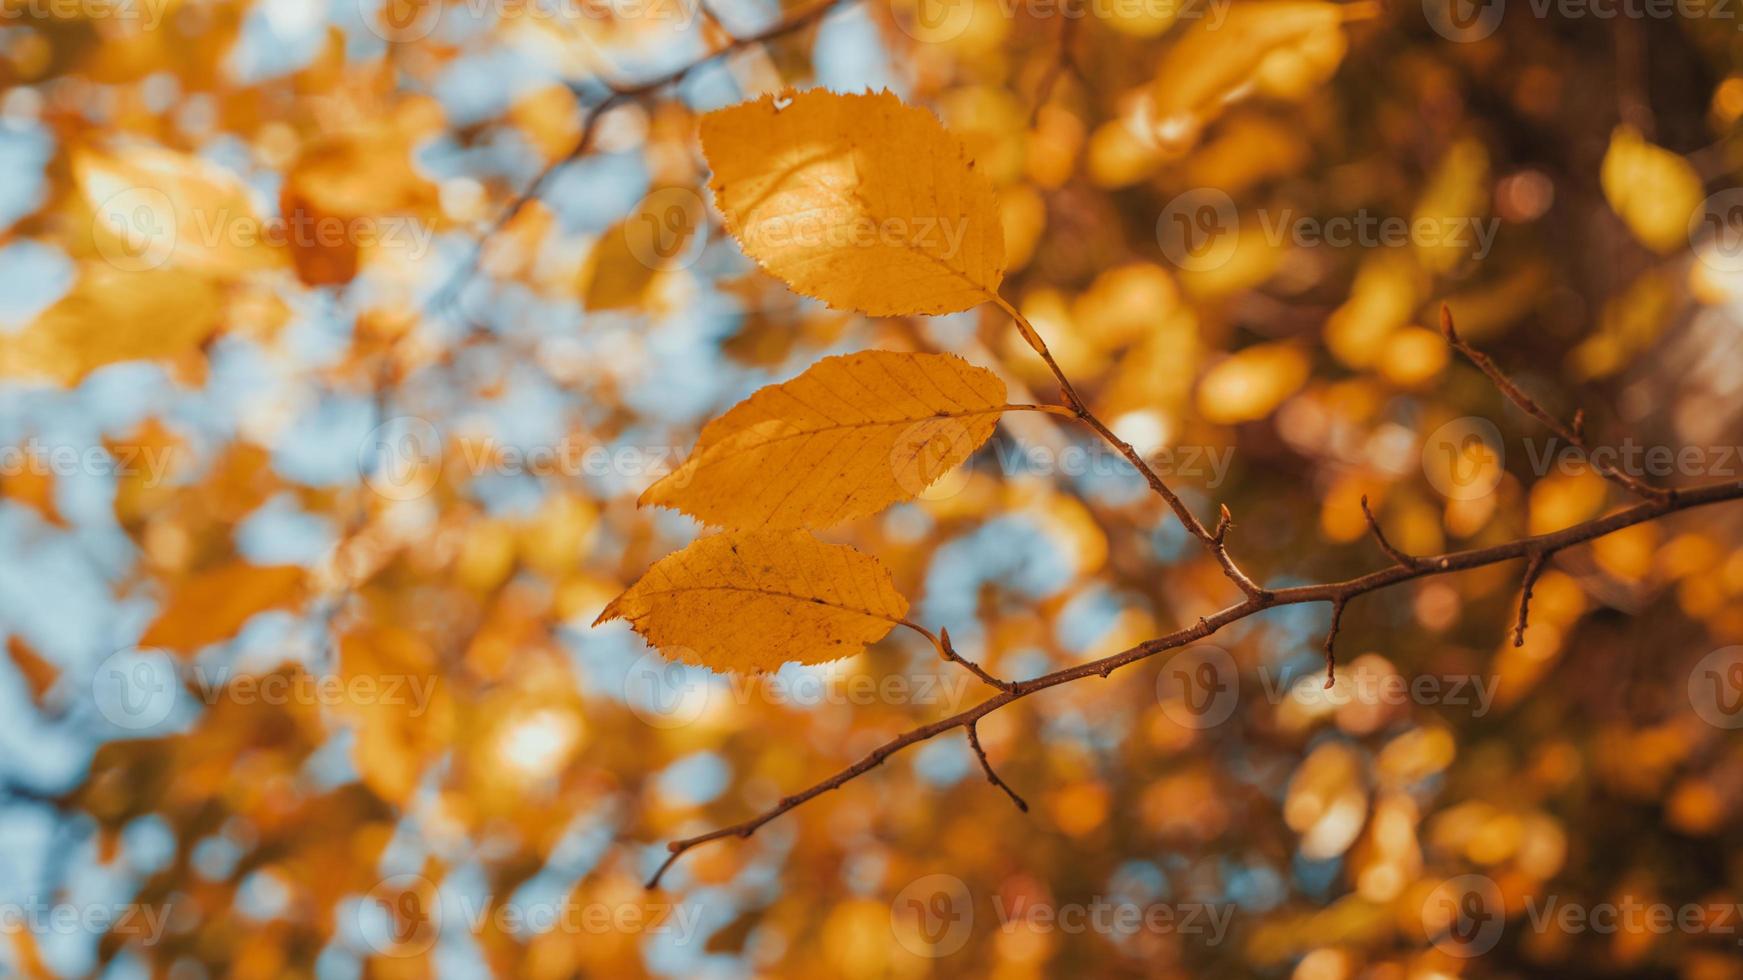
(618, 94)
(1331, 636)
(987, 767)
(1212, 541)
(941, 641)
(1333, 592)
(1534, 566)
(1064, 61)
(1401, 557)
(1575, 434)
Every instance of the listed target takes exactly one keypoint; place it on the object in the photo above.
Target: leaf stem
(1213, 541)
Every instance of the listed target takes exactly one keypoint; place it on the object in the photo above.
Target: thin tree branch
(987, 767)
(1533, 569)
(941, 641)
(1064, 61)
(619, 94)
(1402, 558)
(1574, 434)
(1212, 541)
(1331, 636)
(1332, 592)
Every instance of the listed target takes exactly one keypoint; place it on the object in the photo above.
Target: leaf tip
(613, 610)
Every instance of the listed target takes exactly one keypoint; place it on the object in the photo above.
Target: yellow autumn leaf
(751, 601)
(1251, 384)
(151, 206)
(113, 315)
(1454, 204)
(39, 673)
(349, 192)
(395, 736)
(857, 200)
(1387, 290)
(612, 278)
(1628, 325)
(663, 233)
(213, 605)
(1278, 48)
(1652, 189)
(847, 438)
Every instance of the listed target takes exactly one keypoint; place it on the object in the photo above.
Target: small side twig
(987, 767)
(1534, 566)
(1212, 541)
(1331, 635)
(941, 641)
(1064, 61)
(1574, 434)
(1401, 557)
